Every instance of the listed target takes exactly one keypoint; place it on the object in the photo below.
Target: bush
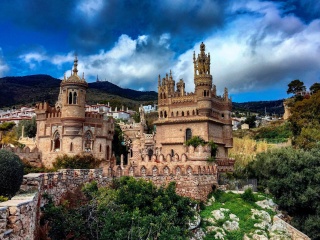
(195, 141)
(248, 196)
(3, 199)
(76, 162)
(11, 169)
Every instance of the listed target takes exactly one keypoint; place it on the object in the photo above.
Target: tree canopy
(292, 177)
(296, 86)
(315, 87)
(129, 209)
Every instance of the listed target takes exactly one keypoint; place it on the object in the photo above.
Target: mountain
(28, 90)
(36, 88)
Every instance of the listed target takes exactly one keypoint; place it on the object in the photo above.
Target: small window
(70, 98)
(188, 134)
(71, 147)
(75, 98)
(172, 152)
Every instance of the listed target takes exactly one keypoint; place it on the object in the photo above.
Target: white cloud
(90, 7)
(3, 66)
(259, 51)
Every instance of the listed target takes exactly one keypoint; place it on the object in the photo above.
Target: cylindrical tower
(73, 96)
(202, 81)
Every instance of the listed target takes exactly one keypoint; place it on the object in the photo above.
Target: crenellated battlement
(93, 115)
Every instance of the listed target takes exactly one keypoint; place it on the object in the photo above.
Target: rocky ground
(223, 223)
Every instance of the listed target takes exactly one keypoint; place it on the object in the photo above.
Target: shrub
(195, 141)
(76, 162)
(248, 196)
(11, 169)
(3, 199)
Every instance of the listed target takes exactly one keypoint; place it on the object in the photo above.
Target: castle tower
(73, 96)
(203, 81)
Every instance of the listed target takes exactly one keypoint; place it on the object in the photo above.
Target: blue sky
(256, 47)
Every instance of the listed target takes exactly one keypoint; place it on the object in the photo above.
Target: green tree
(129, 209)
(251, 121)
(11, 169)
(295, 86)
(305, 121)
(315, 87)
(292, 177)
(30, 128)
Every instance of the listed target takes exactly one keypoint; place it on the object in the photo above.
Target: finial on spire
(75, 65)
(202, 47)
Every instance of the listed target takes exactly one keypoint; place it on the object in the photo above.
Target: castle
(68, 129)
(163, 156)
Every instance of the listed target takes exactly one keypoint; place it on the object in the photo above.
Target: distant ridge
(35, 88)
(30, 89)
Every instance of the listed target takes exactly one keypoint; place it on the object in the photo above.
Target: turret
(203, 81)
(73, 96)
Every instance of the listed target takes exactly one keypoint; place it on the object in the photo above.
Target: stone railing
(294, 233)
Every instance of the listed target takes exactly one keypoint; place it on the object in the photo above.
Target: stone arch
(184, 157)
(75, 98)
(27, 150)
(161, 158)
(131, 171)
(166, 171)
(119, 171)
(178, 170)
(204, 170)
(189, 170)
(155, 171)
(108, 152)
(168, 158)
(88, 141)
(176, 157)
(143, 171)
(56, 143)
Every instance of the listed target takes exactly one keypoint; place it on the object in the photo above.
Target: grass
(237, 206)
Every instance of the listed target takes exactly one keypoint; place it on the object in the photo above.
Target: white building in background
(107, 109)
(150, 108)
(16, 115)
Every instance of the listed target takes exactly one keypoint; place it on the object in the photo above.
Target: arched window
(182, 114)
(70, 98)
(100, 148)
(188, 134)
(150, 153)
(71, 147)
(108, 152)
(204, 93)
(164, 95)
(161, 114)
(193, 113)
(177, 114)
(75, 98)
(56, 142)
(165, 114)
(188, 113)
(88, 141)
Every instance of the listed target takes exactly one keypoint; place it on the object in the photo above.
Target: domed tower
(72, 97)
(203, 81)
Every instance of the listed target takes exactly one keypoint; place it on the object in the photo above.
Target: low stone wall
(18, 217)
(294, 233)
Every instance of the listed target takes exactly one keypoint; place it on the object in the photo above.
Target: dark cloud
(100, 27)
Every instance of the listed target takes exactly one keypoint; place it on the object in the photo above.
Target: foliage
(213, 148)
(251, 121)
(132, 209)
(30, 128)
(3, 199)
(244, 151)
(292, 177)
(9, 137)
(11, 169)
(305, 122)
(117, 144)
(28, 168)
(7, 126)
(315, 87)
(84, 161)
(195, 141)
(274, 133)
(248, 196)
(296, 86)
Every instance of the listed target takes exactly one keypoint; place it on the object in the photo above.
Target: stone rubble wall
(20, 216)
(294, 233)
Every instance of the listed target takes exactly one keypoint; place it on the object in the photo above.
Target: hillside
(35, 88)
